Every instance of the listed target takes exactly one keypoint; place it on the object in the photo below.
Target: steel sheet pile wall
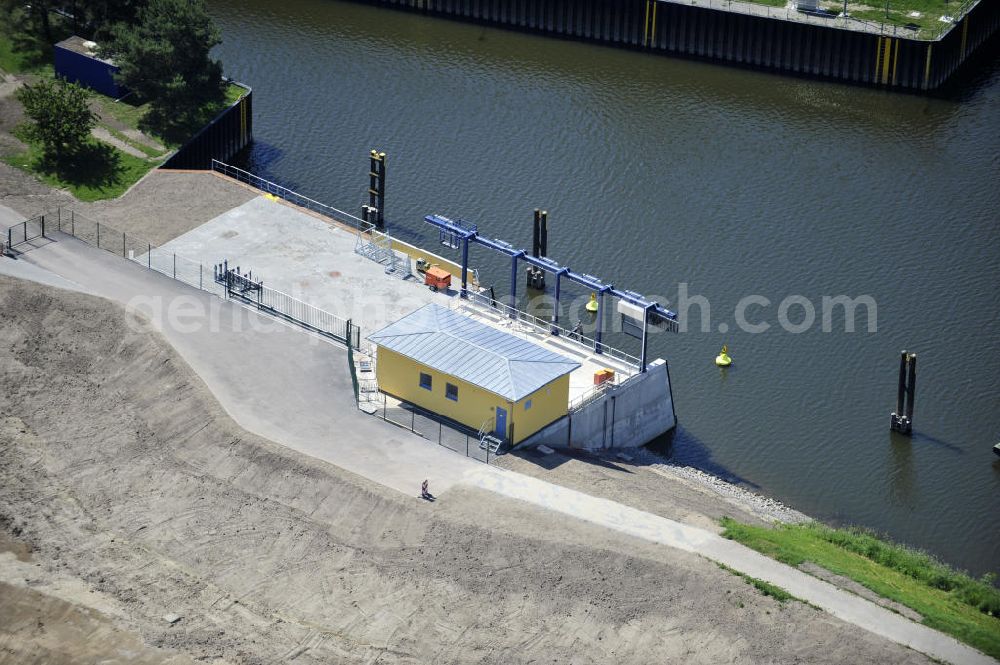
(717, 34)
(226, 135)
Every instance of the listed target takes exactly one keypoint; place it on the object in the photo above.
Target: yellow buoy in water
(592, 305)
(723, 359)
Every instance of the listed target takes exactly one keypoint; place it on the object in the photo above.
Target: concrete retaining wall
(627, 416)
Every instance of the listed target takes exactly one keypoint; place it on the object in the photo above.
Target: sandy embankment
(138, 498)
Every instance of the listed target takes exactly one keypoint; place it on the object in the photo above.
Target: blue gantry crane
(457, 233)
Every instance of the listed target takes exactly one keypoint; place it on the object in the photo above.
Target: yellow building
(472, 373)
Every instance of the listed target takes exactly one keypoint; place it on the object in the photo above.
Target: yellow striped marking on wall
(645, 26)
(886, 56)
(927, 67)
(965, 33)
(895, 62)
(652, 26)
(243, 120)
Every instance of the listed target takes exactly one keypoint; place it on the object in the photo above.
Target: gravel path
(102, 134)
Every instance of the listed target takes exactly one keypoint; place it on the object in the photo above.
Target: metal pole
(413, 421)
(543, 234)
(43, 226)
(373, 181)
(600, 316)
(149, 256)
(900, 395)
(465, 265)
(555, 311)
(175, 266)
(535, 242)
(123, 244)
(72, 223)
(645, 336)
(200, 280)
(381, 190)
(513, 286)
(98, 235)
(911, 388)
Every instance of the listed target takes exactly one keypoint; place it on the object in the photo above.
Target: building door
(501, 423)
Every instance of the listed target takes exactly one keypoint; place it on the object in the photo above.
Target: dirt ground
(162, 206)
(127, 494)
(631, 480)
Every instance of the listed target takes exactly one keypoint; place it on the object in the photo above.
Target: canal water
(679, 178)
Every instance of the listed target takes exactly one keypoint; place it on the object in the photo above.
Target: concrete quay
(746, 34)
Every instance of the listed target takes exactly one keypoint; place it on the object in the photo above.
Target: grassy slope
(898, 15)
(949, 601)
(129, 170)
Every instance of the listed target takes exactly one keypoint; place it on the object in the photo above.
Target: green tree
(60, 118)
(97, 19)
(165, 58)
(31, 18)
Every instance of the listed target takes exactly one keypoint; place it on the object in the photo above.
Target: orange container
(603, 375)
(437, 278)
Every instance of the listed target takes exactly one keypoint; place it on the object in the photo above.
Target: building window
(425, 381)
(527, 405)
(451, 391)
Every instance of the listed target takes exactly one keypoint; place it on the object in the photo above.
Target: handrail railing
(597, 392)
(546, 326)
(289, 195)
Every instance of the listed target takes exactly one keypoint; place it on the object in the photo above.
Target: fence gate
(28, 230)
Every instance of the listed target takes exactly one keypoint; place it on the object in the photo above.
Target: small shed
(472, 373)
(76, 61)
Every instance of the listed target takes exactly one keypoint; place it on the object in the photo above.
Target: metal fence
(135, 249)
(285, 307)
(225, 283)
(204, 277)
(431, 426)
(26, 231)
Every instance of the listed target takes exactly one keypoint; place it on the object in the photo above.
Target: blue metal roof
(472, 351)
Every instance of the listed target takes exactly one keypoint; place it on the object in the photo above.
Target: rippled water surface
(659, 172)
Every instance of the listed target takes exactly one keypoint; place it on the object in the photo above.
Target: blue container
(76, 62)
